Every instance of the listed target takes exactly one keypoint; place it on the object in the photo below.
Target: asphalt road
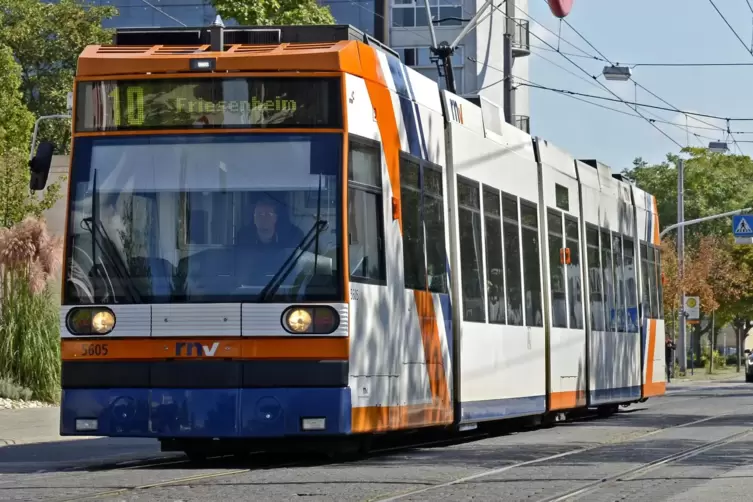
(695, 444)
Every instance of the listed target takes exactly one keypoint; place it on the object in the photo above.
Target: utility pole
(681, 342)
(509, 101)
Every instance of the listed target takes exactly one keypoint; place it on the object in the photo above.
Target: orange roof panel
(101, 60)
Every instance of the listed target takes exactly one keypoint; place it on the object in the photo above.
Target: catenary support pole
(682, 351)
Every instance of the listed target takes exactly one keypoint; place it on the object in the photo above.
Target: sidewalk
(721, 375)
(31, 425)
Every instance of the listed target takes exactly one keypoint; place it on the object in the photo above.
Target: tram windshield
(204, 218)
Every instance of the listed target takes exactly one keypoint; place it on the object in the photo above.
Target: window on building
(529, 223)
(557, 269)
(631, 287)
(365, 214)
(608, 280)
(436, 253)
(413, 232)
(619, 283)
(471, 257)
(574, 286)
(595, 286)
(511, 231)
(410, 13)
(366, 15)
(495, 278)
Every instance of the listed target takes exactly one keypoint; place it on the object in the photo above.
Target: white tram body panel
(564, 256)
(654, 375)
(615, 350)
(400, 339)
(501, 337)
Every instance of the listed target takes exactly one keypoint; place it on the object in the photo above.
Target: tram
(286, 233)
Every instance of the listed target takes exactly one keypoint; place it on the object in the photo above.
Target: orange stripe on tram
(174, 348)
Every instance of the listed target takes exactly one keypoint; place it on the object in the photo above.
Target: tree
(714, 183)
(273, 12)
(16, 120)
(46, 40)
(16, 123)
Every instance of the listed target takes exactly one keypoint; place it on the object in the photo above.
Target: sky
(635, 32)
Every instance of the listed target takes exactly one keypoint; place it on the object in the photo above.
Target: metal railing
(521, 38)
(522, 122)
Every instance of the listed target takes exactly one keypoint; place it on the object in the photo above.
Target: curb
(19, 442)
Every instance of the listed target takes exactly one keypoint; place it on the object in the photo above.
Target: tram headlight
(320, 320)
(299, 320)
(91, 321)
(103, 322)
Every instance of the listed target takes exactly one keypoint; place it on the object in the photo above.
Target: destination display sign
(209, 103)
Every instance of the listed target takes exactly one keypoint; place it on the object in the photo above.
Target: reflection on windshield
(201, 218)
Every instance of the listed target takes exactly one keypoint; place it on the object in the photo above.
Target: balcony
(521, 38)
(522, 122)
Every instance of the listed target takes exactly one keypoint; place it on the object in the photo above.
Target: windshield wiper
(282, 273)
(106, 245)
(287, 266)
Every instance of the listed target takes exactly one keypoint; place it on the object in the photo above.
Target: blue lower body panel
(621, 394)
(497, 409)
(205, 413)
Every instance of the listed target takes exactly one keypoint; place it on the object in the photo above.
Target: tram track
(602, 482)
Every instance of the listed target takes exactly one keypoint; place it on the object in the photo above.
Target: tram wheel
(196, 455)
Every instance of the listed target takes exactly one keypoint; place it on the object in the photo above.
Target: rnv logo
(195, 349)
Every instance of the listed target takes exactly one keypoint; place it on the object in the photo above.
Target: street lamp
(617, 73)
(718, 147)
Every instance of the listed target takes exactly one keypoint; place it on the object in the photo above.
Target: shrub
(11, 390)
(29, 322)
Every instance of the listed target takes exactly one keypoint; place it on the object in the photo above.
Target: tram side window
(531, 263)
(511, 233)
(596, 288)
(365, 214)
(413, 234)
(619, 284)
(659, 285)
(631, 286)
(651, 270)
(436, 254)
(608, 278)
(471, 265)
(557, 269)
(646, 283)
(574, 286)
(495, 279)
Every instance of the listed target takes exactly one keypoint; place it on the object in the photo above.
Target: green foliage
(16, 121)
(273, 12)
(46, 40)
(11, 390)
(16, 202)
(30, 341)
(714, 183)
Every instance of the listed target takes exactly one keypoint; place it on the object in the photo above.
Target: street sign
(692, 308)
(742, 225)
